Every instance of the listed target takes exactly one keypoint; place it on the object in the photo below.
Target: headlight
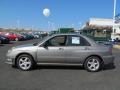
(10, 49)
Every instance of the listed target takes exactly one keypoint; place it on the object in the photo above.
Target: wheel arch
(101, 59)
(15, 62)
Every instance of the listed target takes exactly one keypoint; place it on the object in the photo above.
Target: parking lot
(57, 78)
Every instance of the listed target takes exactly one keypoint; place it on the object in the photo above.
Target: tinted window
(77, 41)
(57, 41)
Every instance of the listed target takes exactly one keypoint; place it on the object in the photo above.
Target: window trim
(66, 44)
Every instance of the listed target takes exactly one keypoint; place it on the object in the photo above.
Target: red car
(13, 37)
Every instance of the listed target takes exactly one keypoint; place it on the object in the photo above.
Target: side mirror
(45, 45)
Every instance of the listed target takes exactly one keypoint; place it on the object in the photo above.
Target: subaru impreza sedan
(62, 50)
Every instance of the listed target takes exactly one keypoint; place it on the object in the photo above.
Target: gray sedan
(61, 49)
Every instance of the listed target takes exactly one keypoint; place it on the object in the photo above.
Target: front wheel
(93, 64)
(25, 62)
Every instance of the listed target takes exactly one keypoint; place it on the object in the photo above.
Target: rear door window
(77, 41)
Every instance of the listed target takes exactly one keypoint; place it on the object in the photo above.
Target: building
(102, 28)
(105, 23)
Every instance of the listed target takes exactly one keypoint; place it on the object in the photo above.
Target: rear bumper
(108, 59)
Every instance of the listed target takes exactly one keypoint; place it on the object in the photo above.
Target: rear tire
(25, 62)
(93, 64)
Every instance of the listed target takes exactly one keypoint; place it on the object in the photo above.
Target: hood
(26, 45)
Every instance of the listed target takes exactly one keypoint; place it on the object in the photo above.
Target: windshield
(43, 39)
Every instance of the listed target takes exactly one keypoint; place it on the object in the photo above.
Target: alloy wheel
(93, 64)
(25, 62)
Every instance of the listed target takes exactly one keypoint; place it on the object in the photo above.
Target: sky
(64, 13)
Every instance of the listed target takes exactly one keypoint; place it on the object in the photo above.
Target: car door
(77, 48)
(53, 50)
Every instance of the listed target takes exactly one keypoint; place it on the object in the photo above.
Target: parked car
(4, 40)
(37, 36)
(21, 37)
(62, 49)
(27, 36)
(116, 41)
(13, 37)
(31, 36)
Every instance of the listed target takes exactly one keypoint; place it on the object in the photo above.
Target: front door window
(57, 41)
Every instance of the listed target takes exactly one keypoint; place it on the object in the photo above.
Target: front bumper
(9, 61)
(108, 59)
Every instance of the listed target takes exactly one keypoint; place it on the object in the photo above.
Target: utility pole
(114, 14)
(32, 27)
(18, 24)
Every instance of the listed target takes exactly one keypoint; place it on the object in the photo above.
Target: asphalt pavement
(57, 78)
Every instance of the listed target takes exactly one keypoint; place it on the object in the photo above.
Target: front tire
(93, 64)
(25, 62)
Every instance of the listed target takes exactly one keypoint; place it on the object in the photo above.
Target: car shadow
(59, 67)
(1, 45)
(109, 67)
(38, 67)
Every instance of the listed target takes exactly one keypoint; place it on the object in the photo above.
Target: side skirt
(60, 64)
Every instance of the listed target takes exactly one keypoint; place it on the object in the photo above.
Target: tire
(93, 64)
(0, 42)
(25, 62)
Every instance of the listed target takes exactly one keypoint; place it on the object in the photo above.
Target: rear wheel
(25, 62)
(93, 64)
